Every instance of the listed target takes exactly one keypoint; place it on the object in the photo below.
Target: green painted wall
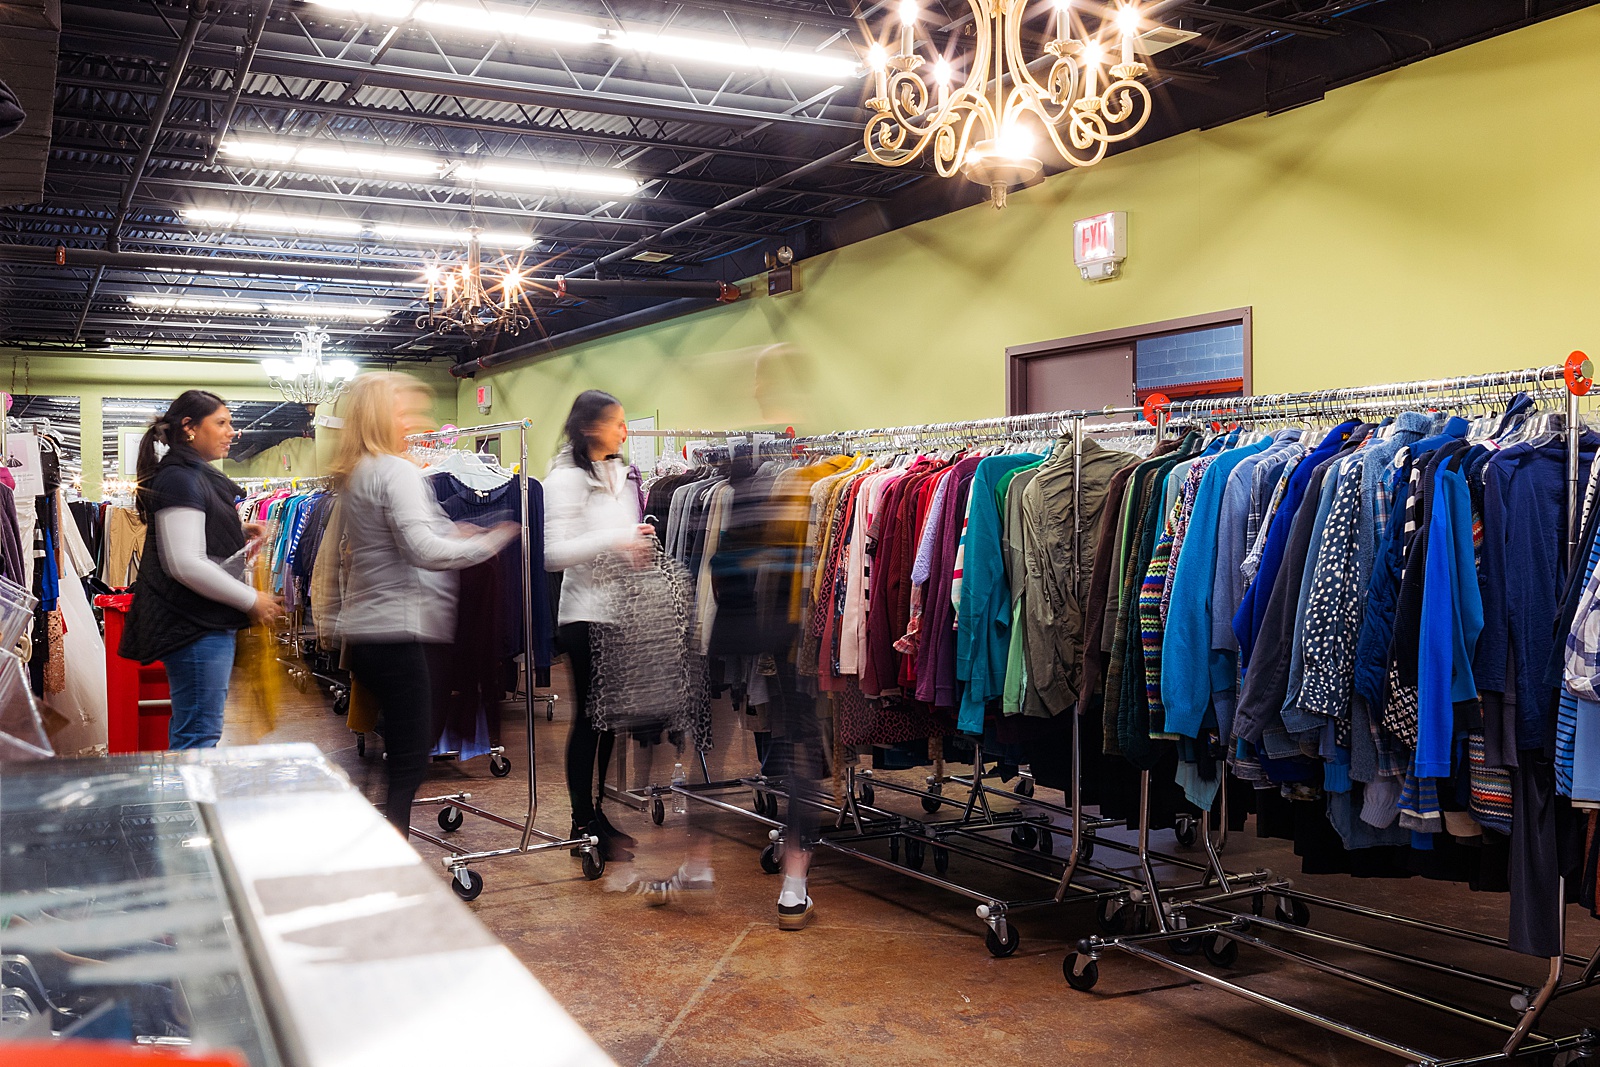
(1440, 219)
(92, 378)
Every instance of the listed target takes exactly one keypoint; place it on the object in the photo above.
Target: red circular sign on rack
(1153, 403)
(1579, 373)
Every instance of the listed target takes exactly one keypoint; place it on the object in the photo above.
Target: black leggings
(584, 743)
(399, 677)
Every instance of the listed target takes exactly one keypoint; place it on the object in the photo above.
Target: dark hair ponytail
(586, 411)
(192, 406)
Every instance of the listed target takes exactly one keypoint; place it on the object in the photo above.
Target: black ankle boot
(611, 832)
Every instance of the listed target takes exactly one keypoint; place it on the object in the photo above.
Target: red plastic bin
(138, 702)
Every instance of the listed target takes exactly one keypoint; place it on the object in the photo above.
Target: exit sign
(1100, 244)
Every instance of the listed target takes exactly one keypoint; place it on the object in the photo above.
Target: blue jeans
(198, 676)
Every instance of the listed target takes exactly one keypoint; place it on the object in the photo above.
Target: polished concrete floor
(894, 971)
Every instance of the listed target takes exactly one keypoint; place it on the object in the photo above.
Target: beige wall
(1440, 219)
(92, 378)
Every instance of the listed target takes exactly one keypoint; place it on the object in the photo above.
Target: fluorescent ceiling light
(269, 222)
(499, 175)
(321, 156)
(503, 22)
(286, 309)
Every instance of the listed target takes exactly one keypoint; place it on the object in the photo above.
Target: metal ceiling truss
(731, 163)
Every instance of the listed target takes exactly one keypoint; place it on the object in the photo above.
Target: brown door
(1074, 380)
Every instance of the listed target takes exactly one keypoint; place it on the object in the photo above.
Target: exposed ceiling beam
(474, 87)
(1206, 13)
(425, 118)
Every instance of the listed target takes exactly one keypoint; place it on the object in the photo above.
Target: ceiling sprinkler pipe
(723, 292)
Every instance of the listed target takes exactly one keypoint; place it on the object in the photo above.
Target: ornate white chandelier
(459, 296)
(307, 379)
(979, 128)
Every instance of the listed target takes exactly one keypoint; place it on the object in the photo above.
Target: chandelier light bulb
(877, 58)
(1093, 55)
(909, 12)
(941, 72)
(1128, 19)
(1015, 142)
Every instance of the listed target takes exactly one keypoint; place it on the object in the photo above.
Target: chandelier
(979, 129)
(306, 379)
(459, 296)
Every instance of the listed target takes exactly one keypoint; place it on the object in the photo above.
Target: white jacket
(585, 516)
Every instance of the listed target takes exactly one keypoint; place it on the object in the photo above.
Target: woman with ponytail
(190, 598)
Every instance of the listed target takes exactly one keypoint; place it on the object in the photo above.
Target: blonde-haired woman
(398, 610)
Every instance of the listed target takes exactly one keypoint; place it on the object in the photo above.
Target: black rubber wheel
(1025, 836)
(1113, 915)
(931, 804)
(451, 818)
(916, 853)
(1047, 842)
(1186, 946)
(759, 803)
(1001, 949)
(769, 859)
(1086, 848)
(868, 794)
(594, 864)
(658, 811)
(1221, 951)
(341, 704)
(1188, 833)
(1293, 910)
(471, 888)
(361, 744)
(941, 859)
(894, 850)
(1081, 982)
(1025, 787)
(499, 766)
(1258, 904)
(302, 682)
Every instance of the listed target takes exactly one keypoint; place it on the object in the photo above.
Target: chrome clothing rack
(459, 861)
(857, 822)
(1223, 928)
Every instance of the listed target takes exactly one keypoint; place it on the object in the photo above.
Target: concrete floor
(893, 971)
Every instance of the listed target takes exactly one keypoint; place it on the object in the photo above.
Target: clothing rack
(1222, 928)
(858, 822)
(459, 861)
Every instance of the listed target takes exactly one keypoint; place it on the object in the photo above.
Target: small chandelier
(306, 379)
(459, 296)
(977, 129)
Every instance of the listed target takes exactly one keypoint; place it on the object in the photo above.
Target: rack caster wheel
(1086, 848)
(916, 853)
(302, 682)
(1113, 916)
(1258, 905)
(1187, 832)
(1047, 843)
(1221, 951)
(931, 804)
(467, 883)
(770, 861)
(594, 864)
(941, 859)
(450, 818)
(1084, 981)
(1293, 910)
(499, 766)
(341, 704)
(361, 744)
(1001, 949)
(867, 795)
(1024, 836)
(1025, 787)
(658, 811)
(1185, 946)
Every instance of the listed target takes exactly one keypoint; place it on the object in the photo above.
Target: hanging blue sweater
(1253, 609)
(1186, 656)
(1452, 618)
(983, 625)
